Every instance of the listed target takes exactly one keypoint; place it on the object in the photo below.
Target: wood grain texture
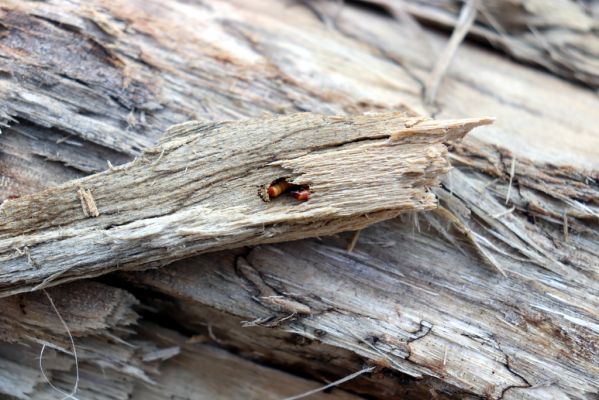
(202, 189)
(419, 300)
(248, 58)
(99, 317)
(560, 36)
(538, 117)
(203, 371)
(184, 60)
(119, 359)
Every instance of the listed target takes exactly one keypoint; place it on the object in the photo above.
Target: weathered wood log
(167, 62)
(206, 187)
(205, 372)
(415, 298)
(152, 68)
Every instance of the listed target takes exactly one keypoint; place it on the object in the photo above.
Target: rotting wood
(419, 299)
(203, 372)
(100, 318)
(199, 191)
(248, 58)
(415, 300)
(61, 121)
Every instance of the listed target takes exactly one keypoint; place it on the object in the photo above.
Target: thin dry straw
(509, 188)
(354, 241)
(465, 21)
(66, 327)
(330, 385)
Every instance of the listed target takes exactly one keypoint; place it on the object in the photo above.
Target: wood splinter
(88, 204)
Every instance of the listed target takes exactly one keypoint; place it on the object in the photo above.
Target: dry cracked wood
(167, 62)
(413, 298)
(205, 372)
(86, 82)
(204, 188)
(418, 297)
(118, 359)
(99, 317)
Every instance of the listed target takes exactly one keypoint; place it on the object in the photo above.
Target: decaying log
(205, 188)
(533, 331)
(98, 316)
(65, 118)
(419, 298)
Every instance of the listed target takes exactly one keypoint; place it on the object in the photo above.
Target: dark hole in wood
(281, 186)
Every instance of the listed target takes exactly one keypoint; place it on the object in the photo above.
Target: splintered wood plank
(205, 187)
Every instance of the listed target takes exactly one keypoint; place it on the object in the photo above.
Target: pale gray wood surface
(205, 372)
(119, 359)
(559, 35)
(420, 296)
(204, 188)
(173, 61)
